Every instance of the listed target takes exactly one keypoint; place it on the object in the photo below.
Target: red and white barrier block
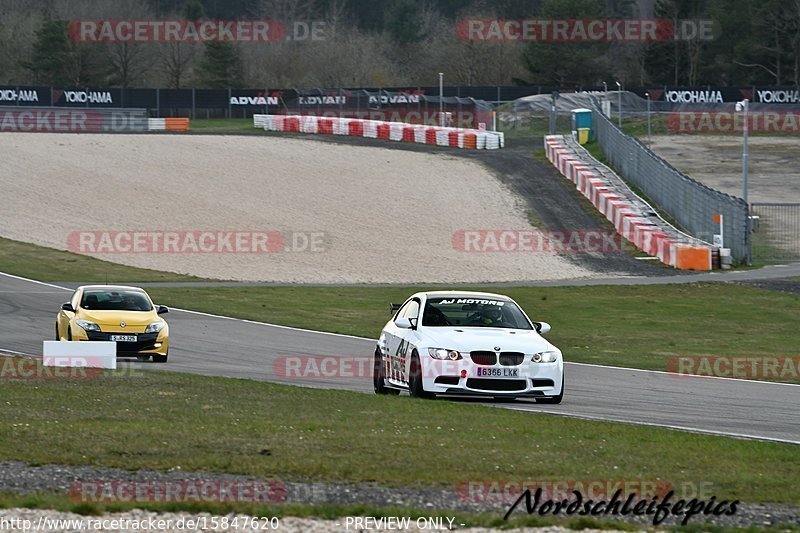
(377, 129)
(632, 217)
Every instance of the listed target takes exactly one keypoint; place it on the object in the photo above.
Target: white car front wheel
(415, 387)
(378, 377)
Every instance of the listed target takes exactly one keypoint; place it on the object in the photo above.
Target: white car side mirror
(541, 327)
(403, 323)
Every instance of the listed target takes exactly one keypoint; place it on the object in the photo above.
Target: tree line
(398, 43)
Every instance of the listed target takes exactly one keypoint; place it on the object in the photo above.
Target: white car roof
(462, 294)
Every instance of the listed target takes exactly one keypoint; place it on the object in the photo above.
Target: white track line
(695, 376)
(652, 424)
(223, 317)
(11, 353)
(34, 281)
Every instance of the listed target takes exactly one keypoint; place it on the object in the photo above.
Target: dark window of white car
(115, 300)
(473, 312)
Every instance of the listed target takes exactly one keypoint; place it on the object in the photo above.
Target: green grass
(48, 264)
(162, 421)
(533, 129)
(632, 326)
(223, 125)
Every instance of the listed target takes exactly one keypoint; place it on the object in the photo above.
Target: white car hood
(466, 339)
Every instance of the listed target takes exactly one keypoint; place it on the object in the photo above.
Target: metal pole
(745, 158)
(619, 103)
(649, 131)
(441, 96)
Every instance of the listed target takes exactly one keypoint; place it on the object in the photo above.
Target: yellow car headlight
(155, 327)
(87, 326)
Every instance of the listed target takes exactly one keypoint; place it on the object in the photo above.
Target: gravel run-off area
(716, 161)
(377, 215)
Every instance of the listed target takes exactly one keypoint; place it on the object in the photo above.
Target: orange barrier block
(693, 258)
(470, 140)
(383, 131)
(176, 124)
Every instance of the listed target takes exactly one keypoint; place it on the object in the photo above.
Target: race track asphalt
(221, 346)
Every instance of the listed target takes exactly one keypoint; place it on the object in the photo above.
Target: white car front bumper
(462, 377)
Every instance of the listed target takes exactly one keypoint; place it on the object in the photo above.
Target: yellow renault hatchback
(125, 315)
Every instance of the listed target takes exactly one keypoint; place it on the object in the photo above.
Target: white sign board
(76, 354)
(717, 240)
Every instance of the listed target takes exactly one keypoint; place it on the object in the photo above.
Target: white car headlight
(87, 326)
(155, 327)
(441, 353)
(545, 357)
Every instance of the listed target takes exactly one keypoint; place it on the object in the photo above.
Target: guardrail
(690, 203)
(376, 129)
(632, 217)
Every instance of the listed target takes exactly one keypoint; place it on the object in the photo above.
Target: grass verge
(48, 264)
(224, 125)
(162, 421)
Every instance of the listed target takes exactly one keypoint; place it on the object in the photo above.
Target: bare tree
(286, 11)
(176, 60)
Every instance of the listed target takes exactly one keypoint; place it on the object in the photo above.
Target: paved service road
(219, 346)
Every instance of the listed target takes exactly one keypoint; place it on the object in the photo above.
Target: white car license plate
(123, 338)
(498, 372)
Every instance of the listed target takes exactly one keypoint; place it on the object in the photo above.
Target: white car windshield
(473, 312)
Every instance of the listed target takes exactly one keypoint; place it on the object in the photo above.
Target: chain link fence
(687, 202)
(776, 231)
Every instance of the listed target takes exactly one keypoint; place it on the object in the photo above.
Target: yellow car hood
(114, 318)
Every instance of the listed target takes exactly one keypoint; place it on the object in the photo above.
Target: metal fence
(687, 202)
(776, 231)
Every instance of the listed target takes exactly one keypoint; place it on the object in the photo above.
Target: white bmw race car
(469, 343)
